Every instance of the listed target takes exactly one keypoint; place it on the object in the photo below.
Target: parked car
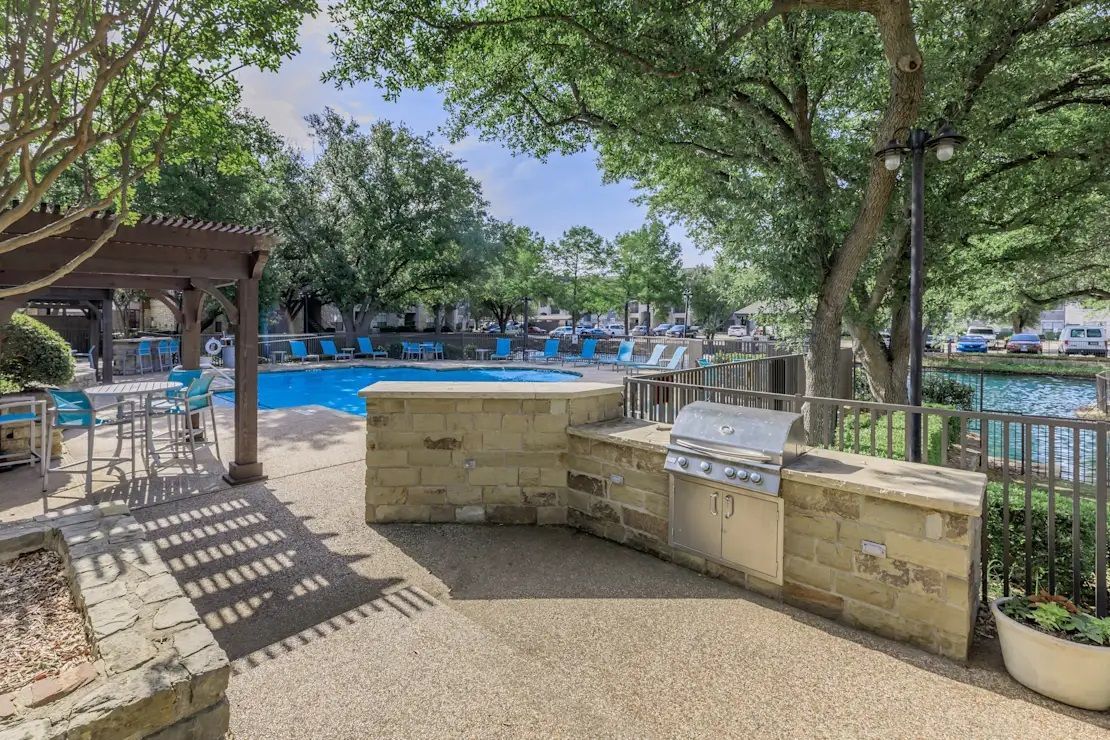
(678, 330)
(561, 332)
(493, 329)
(1085, 339)
(533, 329)
(640, 330)
(613, 330)
(971, 343)
(986, 332)
(1029, 343)
(693, 331)
(591, 331)
(737, 331)
(660, 330)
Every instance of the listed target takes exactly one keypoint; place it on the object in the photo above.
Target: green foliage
(576, 263)
(1017, 364)
(938, 389)
(32, 354)
(381, 220)
(860, 432)
(711, 298)
(514, 268)
(1056, 615)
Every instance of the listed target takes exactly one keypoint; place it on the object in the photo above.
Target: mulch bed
(41, 631)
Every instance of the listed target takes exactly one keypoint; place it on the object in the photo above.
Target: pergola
(161, 256)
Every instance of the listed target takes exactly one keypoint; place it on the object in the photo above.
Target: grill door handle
(731, 507)
(713, 496)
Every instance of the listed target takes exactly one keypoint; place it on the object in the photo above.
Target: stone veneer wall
(157, 671)
(548, 453)
(923, 592)
(485, 452)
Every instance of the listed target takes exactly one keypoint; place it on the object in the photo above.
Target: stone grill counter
(882, 545)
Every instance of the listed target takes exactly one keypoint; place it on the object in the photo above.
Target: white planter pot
(1063, 670)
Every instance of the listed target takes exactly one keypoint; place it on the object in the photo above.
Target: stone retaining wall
(158, 671)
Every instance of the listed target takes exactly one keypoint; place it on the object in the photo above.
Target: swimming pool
(337, 388)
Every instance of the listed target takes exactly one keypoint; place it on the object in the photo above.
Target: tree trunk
(350, 329)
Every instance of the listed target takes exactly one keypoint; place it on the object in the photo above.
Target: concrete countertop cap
(526, 390)
(644, 435)
(926, 486)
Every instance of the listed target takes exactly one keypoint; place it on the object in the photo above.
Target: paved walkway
(342, 630)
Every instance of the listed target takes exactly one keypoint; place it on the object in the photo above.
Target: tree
(712, 300)
(576, 263)
(755, 123)
(641, 257)
(514, 268)
(383, 218)
(91, 92)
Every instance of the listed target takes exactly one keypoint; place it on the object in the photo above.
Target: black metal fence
(1045, 513)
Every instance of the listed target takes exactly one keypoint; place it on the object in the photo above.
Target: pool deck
(337, 629)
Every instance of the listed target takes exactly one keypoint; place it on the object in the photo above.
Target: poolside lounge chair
(75, 410)
(298, 351)
(674, 363)
(623, 356)
(503, 350)
(550, 351)
(704, 362)
(366, 349)
(588, 355)
(654, 360)
(329, 352)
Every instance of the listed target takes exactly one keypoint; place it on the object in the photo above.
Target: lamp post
(917, 141)
(686, 313)
(524, 353)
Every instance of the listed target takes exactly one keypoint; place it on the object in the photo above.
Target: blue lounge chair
(366, 349)
(329, 352)
(503, 350)
(623, 356)
(75, 410)
(674, 363)
(299, 351)
(704, 362)
(654, 360)
(588, 355)
(550, 351)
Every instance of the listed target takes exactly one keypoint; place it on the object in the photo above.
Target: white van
(1083, 339)
(986, 332)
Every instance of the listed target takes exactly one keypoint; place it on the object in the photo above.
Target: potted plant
(1054, 648)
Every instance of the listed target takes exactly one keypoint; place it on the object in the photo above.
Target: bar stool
(28, 410)
(165, 354)
(143, 350)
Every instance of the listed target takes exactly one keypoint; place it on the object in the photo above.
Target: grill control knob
(730, 472)
(742, 474)
(682, 462)
(757, 478)
(705, 467)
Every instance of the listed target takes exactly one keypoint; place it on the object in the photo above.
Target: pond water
(1036, 395)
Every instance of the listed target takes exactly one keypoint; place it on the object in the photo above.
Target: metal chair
(187, 405)
(34, 410)
(75, 410)
(165, 354)
(144, 350)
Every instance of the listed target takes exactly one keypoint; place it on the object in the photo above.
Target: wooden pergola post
(246, 467)
(107, 354)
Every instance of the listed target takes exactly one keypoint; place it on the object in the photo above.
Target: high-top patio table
(145, 389)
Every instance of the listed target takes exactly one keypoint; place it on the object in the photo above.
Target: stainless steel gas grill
(725, 464)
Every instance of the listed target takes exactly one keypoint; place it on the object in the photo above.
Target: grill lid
(739, 433)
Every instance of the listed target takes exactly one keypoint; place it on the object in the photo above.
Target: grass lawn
(1018, 364)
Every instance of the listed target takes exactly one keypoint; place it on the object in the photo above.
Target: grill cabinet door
(696, 517)
(752, 533)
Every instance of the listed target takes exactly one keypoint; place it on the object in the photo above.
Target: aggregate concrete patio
(337, 629)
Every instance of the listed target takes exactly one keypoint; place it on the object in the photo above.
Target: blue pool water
(1036, 395)
(337, 388)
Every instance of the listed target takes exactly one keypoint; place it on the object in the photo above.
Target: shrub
(33, 354)
(940, 390)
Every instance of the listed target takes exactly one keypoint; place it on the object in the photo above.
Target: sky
(548, 196)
